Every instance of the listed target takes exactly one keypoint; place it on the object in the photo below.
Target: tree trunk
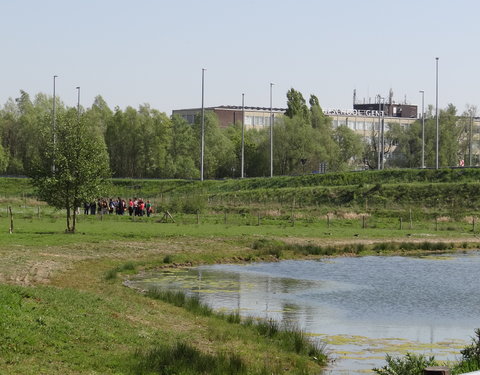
(74, 219)
(68, 218)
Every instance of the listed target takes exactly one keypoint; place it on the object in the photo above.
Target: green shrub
(269, 247)
(410, 364)
(470, 360)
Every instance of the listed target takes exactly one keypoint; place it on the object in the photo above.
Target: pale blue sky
(146, 51)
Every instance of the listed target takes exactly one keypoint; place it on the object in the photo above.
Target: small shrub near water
(269, 247)
(410, 364)
(113, 273)
(414, 364)
(182, 358)
(180, 299)
(470, 360)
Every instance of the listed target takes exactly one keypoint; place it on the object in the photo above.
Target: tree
(219, 157)
(181, 151)
(72, 169)
(327, 149)
(296, 105)
(350, 145)
(404, 145)
(3, 159)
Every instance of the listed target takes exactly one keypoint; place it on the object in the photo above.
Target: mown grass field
(64, 309)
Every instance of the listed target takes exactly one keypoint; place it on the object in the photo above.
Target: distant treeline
(146, 143)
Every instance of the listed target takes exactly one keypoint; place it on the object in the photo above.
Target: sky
(153, 51)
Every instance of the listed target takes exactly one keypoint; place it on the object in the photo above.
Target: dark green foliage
(269, 247)
(267, 328)
(113, 273)
(182, 358)
(180, 299)
(470, 360)
(410, 364)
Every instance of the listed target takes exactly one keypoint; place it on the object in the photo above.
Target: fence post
(38, 212)
(198, 218)
(328, 220)
(364, 222)
(401, 223)
(11, 220)
(293, 212)
(473, 224)
(436, 223)
(411, 219)
(225, 217)
(258, 216)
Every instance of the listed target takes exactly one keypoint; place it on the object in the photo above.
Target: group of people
(119, 206)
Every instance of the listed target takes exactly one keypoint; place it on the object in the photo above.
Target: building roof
(233, 108)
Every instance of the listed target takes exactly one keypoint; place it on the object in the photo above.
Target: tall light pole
(271, 131)
(379, 161)
(470, 138)
(436, 114)
(382, 119)
(78, 100)
(54, 125)
(423, 127)
(243, 137)
(202, 146)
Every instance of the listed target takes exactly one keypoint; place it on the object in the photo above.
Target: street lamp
(380, 135)
(470, 138)
(382, 119)
(436, 113)
(78, 100)
(54, 125)
(242, 174)
(202, 146)
(423, 127)
(271, 132)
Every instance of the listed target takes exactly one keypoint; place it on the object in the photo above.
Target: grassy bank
(393, 193)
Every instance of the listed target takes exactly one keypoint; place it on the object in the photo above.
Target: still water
(361, 307)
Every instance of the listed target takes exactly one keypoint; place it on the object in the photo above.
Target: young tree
(73, 167)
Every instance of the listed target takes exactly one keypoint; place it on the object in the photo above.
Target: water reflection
(362, 307)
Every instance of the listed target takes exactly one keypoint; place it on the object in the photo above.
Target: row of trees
(146, 143)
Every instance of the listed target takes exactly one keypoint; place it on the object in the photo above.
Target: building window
(258, 121)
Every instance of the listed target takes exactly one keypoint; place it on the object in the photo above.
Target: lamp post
(382, 119)
(379, 141)
(54, 125)
(470, 138)
(242, 174)
(271, 131)
(423, 127)
(436, 114)
(78, 101)
(202, 146)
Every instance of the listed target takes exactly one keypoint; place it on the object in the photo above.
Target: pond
(362, 307)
